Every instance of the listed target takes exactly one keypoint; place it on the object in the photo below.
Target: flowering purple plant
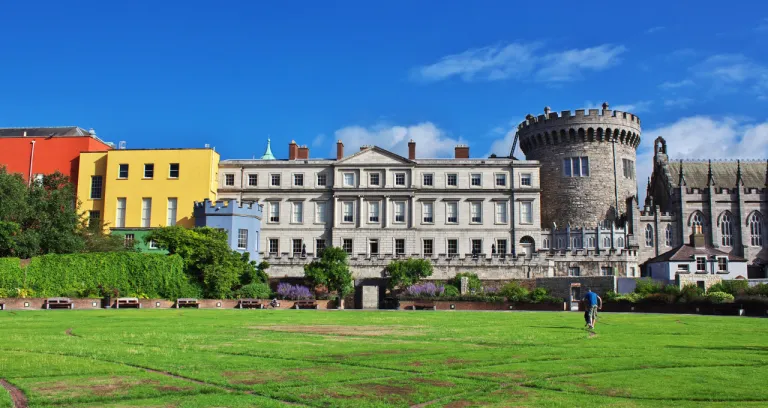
(428, 289)
(293, 292)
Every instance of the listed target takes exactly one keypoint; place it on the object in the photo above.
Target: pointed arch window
(726, 230)
(648, 235)
(697, 221)
(607, 242)
(668, 235)
(545, 243)
(620, 242)
(756, 229)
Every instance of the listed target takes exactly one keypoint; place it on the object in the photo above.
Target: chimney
(411, 150)
(461, 151)
(293, 150)
(697, 237)
(303, 152)
(339, 150)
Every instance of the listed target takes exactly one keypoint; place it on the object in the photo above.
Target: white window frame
(398, 174)
(351, 245)
(294, 241)
(270, 241)
(274, 216)
(726, 230)
(649, 237)
(403, 242)
(146, 212)
(297, 217)
(120, 212)
(253, 177)
(242, 239)
(722, 258)
(496, 180)
(505, 214)
(526, 176)
(321, 212)
(668, 236)
(172, 211)
(372, 241)
(568, 166)
(423, 247)
(344, 178)
(431, 212)
(498, 246)
(297, 179)
(150, 169)
(475, 217)
(472, 180)
(272, 177)
(472, 246)
(344, 206)
(696, 260)
(404, 214)
(227, 178)
(119, 170)
(526, 220)
(374, 217)
(170, 171)
(455, 205)
(370, 178)
(448, 246)
(545, 243)
(324, 179)
(152, 244)
(431, 180)
(448, 180)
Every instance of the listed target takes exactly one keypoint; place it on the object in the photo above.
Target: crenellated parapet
(228, 207)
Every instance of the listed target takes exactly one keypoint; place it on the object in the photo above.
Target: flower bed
(480, 305)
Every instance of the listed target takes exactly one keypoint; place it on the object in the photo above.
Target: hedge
(11, 276)
(85, 275)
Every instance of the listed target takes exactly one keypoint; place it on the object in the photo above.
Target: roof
(268, 153)
(686, 253)
(44, 131)
(696, 173)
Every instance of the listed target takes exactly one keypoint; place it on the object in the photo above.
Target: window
(374, 179)
(229, 179)
(428, 180)
(576, 242)
(321, 209)
(298, 180)
(399, 179)
(501, 180)
(298, 212)
(173, 170)
(319, 246)
(632, 271)
(253, 180)
(129, 240)
(120, 215)
(97, 183)
(274, 246)
(606, 271)
(476, 179)
(629, 168)
(591, 242)
(399, 211)
(349, 214)
(526, 212)
(274, 212)
(697, 221)
(149, 170)
(146, 212)
(94, 219)
(756, 229)
(576, 167)
(668, 235)
(648, 235)
(274, 180)
(606, 242)
(722, 264)
(171, 214)
(684, 268)
(620, 242)
(428, 247)
(477, 246)
(242, 238)
(452, 180)
(501, 212)
(322, 180)
(476, 212)
(122, 171)
(297, 245)
(574, 271)
(346, 245)
(525, 179)
(560, 242)
(701, 264)
(349, 179)
(373, 247)
(399, 247)
(726, 231)
(152, 244)
(453, 247)
(545, 243)
(452, 212)
(427, 213)
(373, 211)
(501, 246)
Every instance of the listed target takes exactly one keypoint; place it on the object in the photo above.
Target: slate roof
(44, 131)
(696, 173)
(686, 253)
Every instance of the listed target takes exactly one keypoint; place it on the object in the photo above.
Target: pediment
(374, 156)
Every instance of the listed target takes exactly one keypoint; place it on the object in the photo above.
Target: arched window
(560, 243)
(668, 235)
(726, 230)
(697, 222)
(576, 242)
(620, 242)
(648, 235)
(591, 242)
(756, 229)
(606, 242)
(545, 243)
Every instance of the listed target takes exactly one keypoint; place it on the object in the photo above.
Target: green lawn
(265, 358)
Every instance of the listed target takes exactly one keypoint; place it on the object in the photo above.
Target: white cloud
(520, 61)
(678, 84)
(654, 29)
(678, 102)
(318, 140)
(727, 71)
(431, 141)
(637, 107)
(703, 137)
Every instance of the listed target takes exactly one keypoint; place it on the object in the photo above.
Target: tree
(403, 273)
(332, 271)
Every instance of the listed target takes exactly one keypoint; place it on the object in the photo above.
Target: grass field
(265, 358)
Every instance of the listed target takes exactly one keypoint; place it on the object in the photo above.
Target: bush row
(649, 291)
(511, 292)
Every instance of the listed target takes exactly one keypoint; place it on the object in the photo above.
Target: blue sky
(181, 74)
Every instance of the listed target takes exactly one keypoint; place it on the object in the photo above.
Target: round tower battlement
(587, 163)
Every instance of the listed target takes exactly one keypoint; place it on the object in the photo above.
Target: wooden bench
(187, 302)
(305, 304)
(424, 305)
(128, 302)
(59, 303)
(250, 304)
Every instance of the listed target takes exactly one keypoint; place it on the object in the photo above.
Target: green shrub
(256, 290)
(752, 300)
(648, 286)
(11, 275)
(611, 296)
(734, 287)
(690, 292)
(514, 292)
(758, 290)
(720, 297)
(659, 298)
(474, 283)
(673, 290)
(451, 291)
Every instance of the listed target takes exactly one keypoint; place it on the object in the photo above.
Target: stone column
(656, 232)
(359, 211)
(336, 212)
(385, 213)
(412, 211)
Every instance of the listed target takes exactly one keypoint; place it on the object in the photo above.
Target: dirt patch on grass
(166, 388)
(17, 397)
(335, 330)
(592, 334)
(459, 404)
(513, 375)
(436, 383)
(386, 390)
(457, 361)
(416, 364)
(93, 386)
(366, 354)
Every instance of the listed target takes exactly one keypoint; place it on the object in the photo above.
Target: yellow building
(138, 189)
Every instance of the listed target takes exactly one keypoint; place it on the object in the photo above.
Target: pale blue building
(242, 221)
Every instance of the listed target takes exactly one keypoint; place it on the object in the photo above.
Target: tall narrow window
(526, 212)
(399, 247)
(428, 210)
(120, 215)
(146, 212)
(298, 212)
(701, 264)
(428, 247)
(501, 246)
(96, 187)
(576, 242)
(476, 212)
(697, 222)
(452, 212)
(620, 242)
(274, 246)
(501, 212)
(453, 247)
(321, 209)
(726, 230)
(648, 235)
(346, 245)
(173, 170)
(149, 170)
(399, 211)
(253, 180)
(591, 242)
(756, 229)
(172, 204)
(545, 243)
(129, 240)
(606, 242)
(319, 246)
(373, 247)
(477, 246)
(274, 212)
(349, 212)
(242, 239)
(668, 235)
(373, 211)
(122, 171)
(297, 245)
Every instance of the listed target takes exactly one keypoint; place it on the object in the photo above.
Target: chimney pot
(339, 150)
(293, 150)
(461, 151)
(411, 150)
(303, 152)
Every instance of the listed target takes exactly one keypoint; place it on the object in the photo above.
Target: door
(575, 298)
(527, 250)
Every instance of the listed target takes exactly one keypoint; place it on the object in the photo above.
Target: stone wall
(561, 286)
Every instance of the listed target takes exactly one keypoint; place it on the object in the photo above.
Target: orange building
(35, 151)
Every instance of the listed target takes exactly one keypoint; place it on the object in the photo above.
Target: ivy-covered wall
(11, 276)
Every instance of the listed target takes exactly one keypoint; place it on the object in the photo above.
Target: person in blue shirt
(591, 302)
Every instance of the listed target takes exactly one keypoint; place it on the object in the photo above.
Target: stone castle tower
(587, 163)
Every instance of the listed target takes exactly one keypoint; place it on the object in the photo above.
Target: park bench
(250, 304)
(305, 304)
(59, 303)
(128, 302)
(424, 305)
(187, 302)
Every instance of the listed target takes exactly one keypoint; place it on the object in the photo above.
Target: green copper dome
(268, 154)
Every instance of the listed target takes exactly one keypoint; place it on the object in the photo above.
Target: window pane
(229, 179)
(171, 216)
(242, 239)
(567, 167)
(96, 186)
(123, 171)
(149, 170)
(253, 179)
(584, 166)
(173, 171)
